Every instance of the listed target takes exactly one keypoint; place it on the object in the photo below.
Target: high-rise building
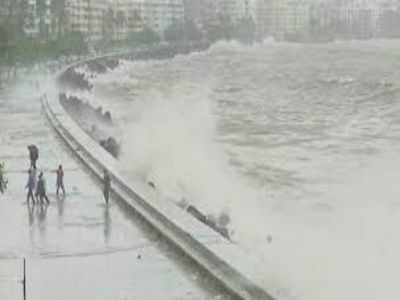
(263, 17)
(37, 18)
(234, 10)
(28, 17)
(97, 9)
(356, 19)
(290, 19)
(77, 16)
(116, 19)
(8, 10)
(86, 17)
(160, 14)
(127, 17)
(4, 10)
(388, 20)
(201, 12)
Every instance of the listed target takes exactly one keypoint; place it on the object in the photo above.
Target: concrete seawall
(221, 259)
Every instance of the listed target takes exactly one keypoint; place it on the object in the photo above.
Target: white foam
(340, 244)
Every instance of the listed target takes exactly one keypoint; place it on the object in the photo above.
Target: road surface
(76, 248)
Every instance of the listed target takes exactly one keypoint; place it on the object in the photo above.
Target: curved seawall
(221, 259)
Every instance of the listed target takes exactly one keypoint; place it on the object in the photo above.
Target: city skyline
(280, 19)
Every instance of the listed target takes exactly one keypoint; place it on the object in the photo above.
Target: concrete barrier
(221, 259)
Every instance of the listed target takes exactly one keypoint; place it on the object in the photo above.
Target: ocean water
(299, 144)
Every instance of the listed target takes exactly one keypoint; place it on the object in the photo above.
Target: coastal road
(77, 248)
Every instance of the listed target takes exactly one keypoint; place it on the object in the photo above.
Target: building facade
(42, 24)
(388, 19)
(263, 17)
(290, 19)
(97, 9)
(32, 18)
(86, 17)
(234, 10)
(77, 16)
(160, 14)
(116, 19)
(203, 13)
(127, 18)
(6, 8)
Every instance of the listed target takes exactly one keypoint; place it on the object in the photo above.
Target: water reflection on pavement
(76, 247)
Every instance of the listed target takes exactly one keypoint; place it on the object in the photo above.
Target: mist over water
(297, 143)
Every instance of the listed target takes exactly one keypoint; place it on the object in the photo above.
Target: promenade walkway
(76, 248)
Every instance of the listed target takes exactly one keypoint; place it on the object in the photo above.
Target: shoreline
(220, 258)
(99, 128)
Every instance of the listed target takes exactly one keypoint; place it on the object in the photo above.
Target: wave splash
(341, 245)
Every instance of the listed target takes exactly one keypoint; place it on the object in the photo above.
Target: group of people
(36, 185)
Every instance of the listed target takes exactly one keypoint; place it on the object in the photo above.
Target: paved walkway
(76, 248)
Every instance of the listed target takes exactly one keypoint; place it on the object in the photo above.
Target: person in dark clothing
(31, 185)
(3, 180)
(33, 155)
(107, 186)
(41, 189)
(60, 180)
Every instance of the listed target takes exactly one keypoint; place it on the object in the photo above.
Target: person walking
(33, 155)
(107, 186)
(31, 184)
(3, 180)
(60, 180)
(41, 189)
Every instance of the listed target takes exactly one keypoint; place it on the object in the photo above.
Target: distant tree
(245, 30)
(3, 51)
(58, 13)
(3, 35)
(146, 36)
(24, 17)
(10, 7)
(120, 21)
(192, 32)
(10, 18)
(120, 18)
(223, 29)
(76, 43)
(69, 43)
(390, 23)
(135, 19)
(4, 41)
(7, 43)
(109, 25)
(41, 8)
(7, 46)
(175, 32)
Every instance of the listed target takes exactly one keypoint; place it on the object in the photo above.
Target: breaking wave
(320, 208)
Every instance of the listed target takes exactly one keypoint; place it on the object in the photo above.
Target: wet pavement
(76, 248)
